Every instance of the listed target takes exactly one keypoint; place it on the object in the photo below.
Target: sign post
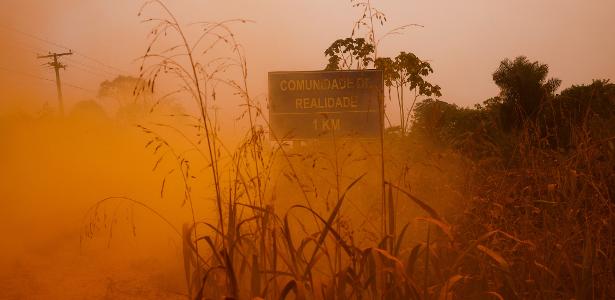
(318, 104)
(312, 104)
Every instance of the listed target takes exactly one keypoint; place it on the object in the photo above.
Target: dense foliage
(541, 168)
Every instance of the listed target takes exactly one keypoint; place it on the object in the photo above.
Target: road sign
(313, 104)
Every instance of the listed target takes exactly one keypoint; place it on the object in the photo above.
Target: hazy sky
(464, 40)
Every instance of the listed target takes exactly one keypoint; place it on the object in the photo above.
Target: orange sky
(464, 40)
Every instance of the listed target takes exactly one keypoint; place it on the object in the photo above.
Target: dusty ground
(50, 174)
(61, 269)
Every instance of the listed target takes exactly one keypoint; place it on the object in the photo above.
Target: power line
(61, 46)
(25, 74)
(25, 46)
(84, 67)
(101, 63)
(86, 70)
(91, 68)
(45, 79)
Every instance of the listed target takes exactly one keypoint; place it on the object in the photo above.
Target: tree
(586, 101)
(524, 87)
(586, 110)
(407, 71)
(131, 95)
(89, 110)
(135, 97)
(124, 90)
(345, 54)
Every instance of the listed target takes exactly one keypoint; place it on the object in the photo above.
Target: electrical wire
(32, 36)
(82, 69)
(68, 84)
(89, 67)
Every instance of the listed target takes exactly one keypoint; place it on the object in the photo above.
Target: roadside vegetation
(510, 199)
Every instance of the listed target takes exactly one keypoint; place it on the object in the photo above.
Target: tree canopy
(524, 87)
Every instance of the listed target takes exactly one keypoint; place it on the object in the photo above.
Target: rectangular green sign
(313, 104)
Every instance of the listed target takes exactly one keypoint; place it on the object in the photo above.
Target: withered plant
(508, 243)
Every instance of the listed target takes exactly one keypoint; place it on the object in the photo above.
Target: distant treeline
(527, 107)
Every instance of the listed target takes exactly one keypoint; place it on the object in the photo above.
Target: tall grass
(540, 230)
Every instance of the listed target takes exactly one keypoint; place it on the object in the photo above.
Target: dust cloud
(53, 170)
(58, 243)
(165, 181)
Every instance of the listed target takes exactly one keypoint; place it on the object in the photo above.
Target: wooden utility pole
(57, 66)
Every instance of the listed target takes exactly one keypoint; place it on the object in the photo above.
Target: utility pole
(57, 66)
